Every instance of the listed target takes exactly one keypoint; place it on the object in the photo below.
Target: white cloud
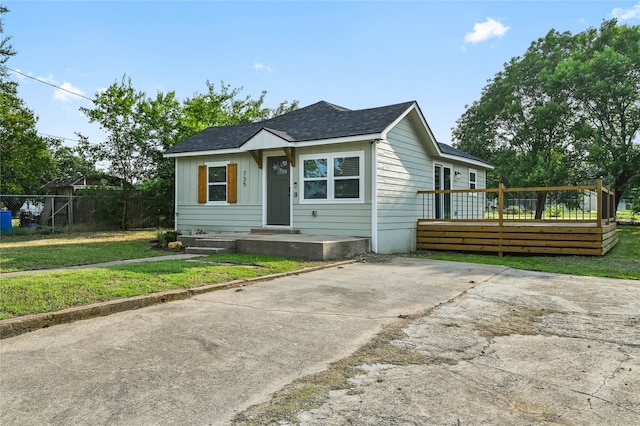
(62, 91)
(626, 14)
(258, 67)
(48, 79)
(20, 77)
(65, 95)
(485, 30)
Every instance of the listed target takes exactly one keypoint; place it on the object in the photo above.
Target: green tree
(602, 76)
(568, 110)
(25, 156)
(68, 162)
(223, 108)
(522, 123)
(25, 160)
(6, 49)
(121, 112)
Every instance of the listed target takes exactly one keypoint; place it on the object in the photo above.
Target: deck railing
(587, 203)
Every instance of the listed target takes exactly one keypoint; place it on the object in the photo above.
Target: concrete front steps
(207, 245)
(277, 243)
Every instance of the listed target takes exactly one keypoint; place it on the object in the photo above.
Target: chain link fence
(95, 210)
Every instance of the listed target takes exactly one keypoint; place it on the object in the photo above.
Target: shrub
(515, 210)
(554, 211)
(166, 237)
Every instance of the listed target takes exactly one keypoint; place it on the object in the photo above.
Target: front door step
(269, 231)
(207, 250)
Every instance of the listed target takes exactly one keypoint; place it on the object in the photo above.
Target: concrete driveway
(499, 346)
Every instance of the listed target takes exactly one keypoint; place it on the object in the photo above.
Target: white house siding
(468, 206)
(348, 219)
(245, 214)
(403, 168)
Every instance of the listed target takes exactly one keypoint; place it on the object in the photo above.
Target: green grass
(47, 292)
(35, 251)
(621, 262)
(51, 291)
(627, 215)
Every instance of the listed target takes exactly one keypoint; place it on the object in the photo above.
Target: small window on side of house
(473, 179)
(473, 182)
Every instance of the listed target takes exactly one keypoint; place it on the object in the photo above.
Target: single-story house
(322, 169)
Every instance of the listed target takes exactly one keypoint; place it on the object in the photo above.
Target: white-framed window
(332, 178)
(473, 182)
(216, 183)
(473, 179)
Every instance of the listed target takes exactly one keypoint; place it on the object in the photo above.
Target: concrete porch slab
(301, 246)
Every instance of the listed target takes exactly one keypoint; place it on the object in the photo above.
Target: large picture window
(335, 177)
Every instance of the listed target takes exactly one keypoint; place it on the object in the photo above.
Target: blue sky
(358, 54)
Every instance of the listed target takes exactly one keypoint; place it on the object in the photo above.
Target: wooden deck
(495, 231)
(547, 238)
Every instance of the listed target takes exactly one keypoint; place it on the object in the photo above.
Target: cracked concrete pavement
(502, 346)
(521, 348)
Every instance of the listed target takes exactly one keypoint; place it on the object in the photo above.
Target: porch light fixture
(457, 175)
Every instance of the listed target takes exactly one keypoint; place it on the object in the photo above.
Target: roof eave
(467, 160)
(299, 144)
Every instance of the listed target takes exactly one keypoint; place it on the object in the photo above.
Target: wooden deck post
(500, 216)
(600, 205)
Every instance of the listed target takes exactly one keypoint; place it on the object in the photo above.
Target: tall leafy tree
(223, 108)
(521, 123)
(6, 49)
(122, 111)
(602, 76)
(67, 161)
(567, 110)
(25, 160)
(25, 156)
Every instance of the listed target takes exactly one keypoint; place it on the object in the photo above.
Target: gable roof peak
(334, 106)
(319, 121)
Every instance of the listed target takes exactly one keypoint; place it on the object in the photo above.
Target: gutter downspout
(374, 195)
(175, 195)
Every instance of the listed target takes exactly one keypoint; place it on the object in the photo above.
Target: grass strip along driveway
(52, 291)
(621, 262)
(29, 294)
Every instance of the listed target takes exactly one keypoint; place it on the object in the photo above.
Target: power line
(44, 82)
(58, 137)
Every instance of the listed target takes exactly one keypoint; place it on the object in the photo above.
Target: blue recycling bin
(5, 221)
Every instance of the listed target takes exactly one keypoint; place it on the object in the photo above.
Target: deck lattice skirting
(576, 221)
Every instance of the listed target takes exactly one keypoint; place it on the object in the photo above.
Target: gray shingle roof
(321, 120)
(449, 150)
(318, 121)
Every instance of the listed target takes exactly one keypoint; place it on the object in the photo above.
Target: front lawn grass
(52, 291)
(621, 262)
(36, 251)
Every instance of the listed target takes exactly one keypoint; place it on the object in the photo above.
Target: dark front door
(278, 204)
